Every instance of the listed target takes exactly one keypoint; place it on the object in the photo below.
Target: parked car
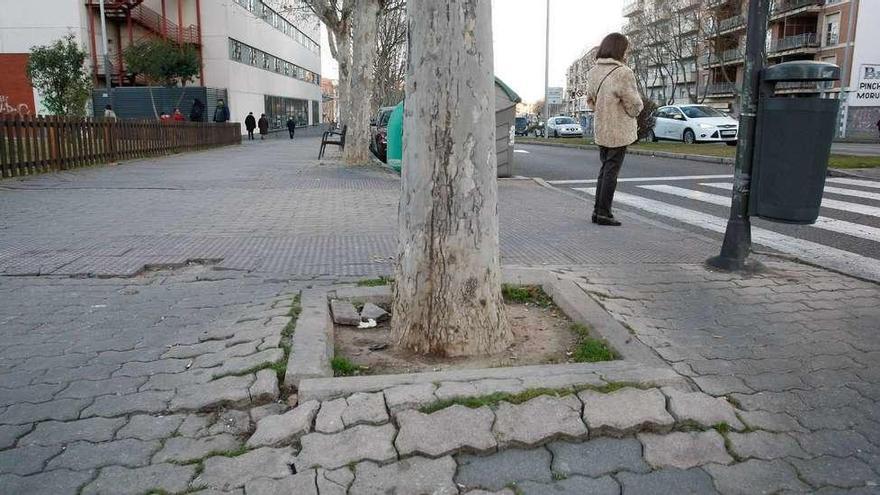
(521, 126)
(564, 127)
(379, 133)
(694, 124)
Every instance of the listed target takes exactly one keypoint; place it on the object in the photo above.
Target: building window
(832, 29)
(241, 52)
(279, 22)
(279, 109)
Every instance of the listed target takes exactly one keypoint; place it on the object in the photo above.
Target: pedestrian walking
(291, 126)
(263, 124)
(109, 114)
(177, 116)
(614, 97)
(250, 123)
(221, 113)
(197, 111)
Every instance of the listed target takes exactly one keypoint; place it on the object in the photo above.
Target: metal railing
(731, 23)
(723, 57)
(806, 40)
(783, 6)
(721, 88)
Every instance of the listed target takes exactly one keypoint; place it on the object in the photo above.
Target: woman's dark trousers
(612, 159)
(250, 134)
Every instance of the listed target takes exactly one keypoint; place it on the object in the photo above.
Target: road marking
(852, 192)
(854, 182)
(643, 179)
(521, 151)
(824, 223)
(831, 204)
(811, 252)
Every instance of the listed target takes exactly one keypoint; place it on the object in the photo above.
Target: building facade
(265, 61)
(576, 84)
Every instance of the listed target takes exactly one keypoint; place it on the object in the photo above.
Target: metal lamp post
(547, 72)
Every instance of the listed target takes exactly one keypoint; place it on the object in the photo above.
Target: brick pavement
(101, 377)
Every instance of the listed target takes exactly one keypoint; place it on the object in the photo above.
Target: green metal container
(395, 138)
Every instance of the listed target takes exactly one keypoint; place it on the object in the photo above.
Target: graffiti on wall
(21, 108)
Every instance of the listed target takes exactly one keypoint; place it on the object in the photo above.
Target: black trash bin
(792, 144)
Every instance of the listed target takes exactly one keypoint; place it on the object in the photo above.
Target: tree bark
(447, 297)
(363, 57)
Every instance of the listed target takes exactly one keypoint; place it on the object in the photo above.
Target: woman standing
(263, 124)
(616, 102)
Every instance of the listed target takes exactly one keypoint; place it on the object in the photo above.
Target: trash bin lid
(802, 70)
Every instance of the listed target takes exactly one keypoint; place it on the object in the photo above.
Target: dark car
(379, 133)
(521, 126)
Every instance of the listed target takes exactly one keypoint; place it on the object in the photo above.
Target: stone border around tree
(309, 371)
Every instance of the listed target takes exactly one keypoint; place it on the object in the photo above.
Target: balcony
(731, 23)
(783, 7)
(632, 7)
(721, 89)
(688, 4)
(713, 4)
(725, 57)
(806, 41)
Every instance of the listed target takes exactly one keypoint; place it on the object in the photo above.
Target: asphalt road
(696, 196)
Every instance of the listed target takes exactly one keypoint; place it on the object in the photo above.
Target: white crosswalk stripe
(831, 204)
(808, 251)
(852, 192)
(854, 182)
(643, 179)
(825, 223)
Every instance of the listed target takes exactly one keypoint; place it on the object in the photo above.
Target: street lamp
(738, 236)
(547, 72)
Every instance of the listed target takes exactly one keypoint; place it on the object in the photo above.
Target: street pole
(738, 237)
(547, 72)
(107, 70)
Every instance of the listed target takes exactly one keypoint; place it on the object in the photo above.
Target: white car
(694, 124)
(564, 127)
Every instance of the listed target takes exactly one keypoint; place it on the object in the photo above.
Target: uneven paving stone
(837, 443)
(149, 427)
(224, 354)
(625, 411)
(224, 473)
(455, 390)
(415, 475)
(538, 420)
(494, 385)
(191, 351)
(26, 460)
(764, 445)
(598, 457)
(284, 428)
(172, 381)
(575, 485)
(231, 391)
(771, 421)
(136, 369)
(117, 405)
(61, 432)
(453, 429)
(703, 409)
(499, 470)
(344, 313)
(9, 434)
(117, 480)
(334, 482)
(505, 491)
(242, 364)
(826, 470)
(684, 449)
(83, 389)
(60, 410)
(359, 443)
(231, 421)
(81, 456)
(372, 312)
(413, 396)
(265, 387)
(755, 476)
(196, 425)
(260, 412)
(57, 482)
(329, 418)
(303, 483)
(690, 482)
(182, 449)
(365, 409)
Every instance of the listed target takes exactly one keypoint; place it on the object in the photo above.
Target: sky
(518, 30)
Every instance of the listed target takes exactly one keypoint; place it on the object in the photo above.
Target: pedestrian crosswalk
(845, 238)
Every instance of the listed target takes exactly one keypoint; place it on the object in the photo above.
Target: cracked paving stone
(265, 387)
(57, 482)
(60, 410)
(690, 482)
(505, 491)
(365, 409)
(238, 365)
(117, 480)
(705, 410)
(303, 483)
(598, 457)
(455, 390)
(148, 427)
(329, 418)
(538, 420)
(413, 396)
(85, 389)
(454, 429)
(182, 449)
(575, 485)
(415, 475)
(755, 477)
(218, 358)
(771, 421)
(231, 391)
(684, 450)
(334, 482)
(837, 443)
(80, 456)
(260, 412)
(195, 425)
(284, 428)
(118, 405)
(826, 470)
(224, 473)
(625, 411)
(231, 421)
(10, 433)
(499, 470)
(191, 351)
(61, 432)
(764, 445)
(26, 460)
(359, 443)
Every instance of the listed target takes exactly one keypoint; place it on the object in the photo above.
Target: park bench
(328, 138)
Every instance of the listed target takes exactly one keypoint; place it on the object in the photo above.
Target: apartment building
(576, 83)
(263, 60)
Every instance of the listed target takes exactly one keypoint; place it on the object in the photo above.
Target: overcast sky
(518, 27)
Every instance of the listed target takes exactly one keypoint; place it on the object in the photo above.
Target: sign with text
(554, 96)
(866, 89)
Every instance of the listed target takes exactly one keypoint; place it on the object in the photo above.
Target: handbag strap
(603, 80)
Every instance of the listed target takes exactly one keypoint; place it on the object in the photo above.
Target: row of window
(246, 54)
(276, 20)
(280, 108)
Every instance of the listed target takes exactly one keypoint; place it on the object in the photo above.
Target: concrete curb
(311, 342)
(838, 172)
(661, 154)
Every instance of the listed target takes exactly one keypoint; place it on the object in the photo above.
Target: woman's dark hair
(613, 46)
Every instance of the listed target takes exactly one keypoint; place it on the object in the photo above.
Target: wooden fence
(32, 145)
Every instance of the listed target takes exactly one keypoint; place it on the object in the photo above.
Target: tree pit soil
(541, 335)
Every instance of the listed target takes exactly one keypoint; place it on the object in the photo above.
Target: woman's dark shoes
(595, 217)
(603, 220)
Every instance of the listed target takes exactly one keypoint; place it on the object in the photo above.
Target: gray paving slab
(507, 467)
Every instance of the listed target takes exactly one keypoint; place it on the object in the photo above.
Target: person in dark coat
(878, 127)
(198, 110)
(221, 113)
(250, 123)
(263, 125)
(291, 126)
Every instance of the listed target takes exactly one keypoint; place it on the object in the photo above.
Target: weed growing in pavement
(375, 282)
(526, 294)
(343, 367)
(589, 349)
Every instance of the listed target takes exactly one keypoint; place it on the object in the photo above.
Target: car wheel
(731, 143)
(651, 136)
(689, 137)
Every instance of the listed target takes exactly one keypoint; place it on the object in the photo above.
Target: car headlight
(707, 126)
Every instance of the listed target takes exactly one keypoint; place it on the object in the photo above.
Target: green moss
(722, 428)
(589, 349)
(526, 294)
(375, 282)
(343, 367)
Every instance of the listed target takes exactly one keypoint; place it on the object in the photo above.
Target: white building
(265, 62)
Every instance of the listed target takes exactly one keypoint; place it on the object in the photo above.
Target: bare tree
(447, 297)
(390, 67)
(363, 58)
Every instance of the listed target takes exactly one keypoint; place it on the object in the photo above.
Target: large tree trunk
(357, 141)
(447, 298)
(343, 89)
